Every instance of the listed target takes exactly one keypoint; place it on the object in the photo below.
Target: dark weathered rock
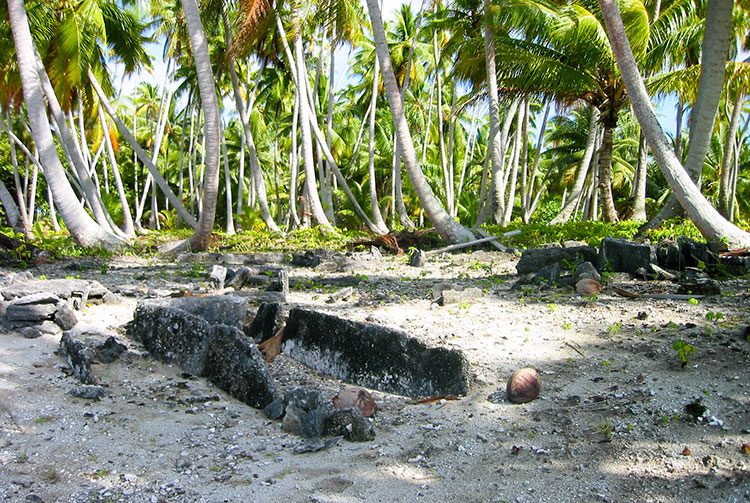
(65, 317)
(172, 335)
(695, 254)
(3, 307)
(266, 322)
(235, 365)
(586, 270)
(343, 294)
(275, 409)
(314, 422)
(237, 279)
(306, 259)
(30, 312)
(700, 286)
(351, 424)
(305, 399)
(110, 350)
(374, 356)
(620, 255)
(15, 277)
(77, 354)
(669, 255)
(549, 274)
(315, 445)
(534, 259)
(417, 258)
(88, 391)
(292, 422)
(737, 266)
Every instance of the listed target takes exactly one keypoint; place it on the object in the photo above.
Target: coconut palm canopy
(292, 114)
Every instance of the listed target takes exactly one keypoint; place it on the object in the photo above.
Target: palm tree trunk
(529, 210)
(142, 155)
(376, 215)
(82, 228)
(16, 211)
(729, 152)
(718, 32)
(583, 168)
(128, 227)
(639, 199)
(514, 160)
(211, 127)
(228, 187)
(450, 230)
(609, 213)
(711, 224)
(494, 142)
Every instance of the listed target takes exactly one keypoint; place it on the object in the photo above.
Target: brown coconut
(524, 385)
(588, 287)
(356, 397)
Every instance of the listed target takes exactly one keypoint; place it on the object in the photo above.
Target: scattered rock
(316, 444)
(548, 275)
(454, 296)
(535, 259)
(76, 354)
(374, 356)
(218, 275)
(351, 424)
(306, 259)
(417, 258)
(110, 350)
(620, 255)
(314, 422)
(292, 422)
(65, 317)
(524, 385)
(275, 409)
(702, 286)
(88, 391)
(586, 270)
(266, 322)
(342, 294)
(302, 398)
(27, 309)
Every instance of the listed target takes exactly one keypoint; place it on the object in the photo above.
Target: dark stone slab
(534, 259)
(266, 322)
(235, 365)
(172, 335)
(373, 356)
(77, 354)
(314, 422)
(110, 350)
(275, 409)
(305, 399)
(621, 255)
(30, 312)
(88, 391)
(306, 259)
(351, 424)
(737, 266)
(696, 254)
(586, 270)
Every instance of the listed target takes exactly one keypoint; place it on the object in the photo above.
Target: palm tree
(711, 224)
(82, 228)
(450, 230)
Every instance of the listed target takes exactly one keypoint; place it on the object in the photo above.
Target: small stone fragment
(314, 422)
(586, 270)
(110, 350)
(218, 275)
(524, 385)
(65, 317)
(351, 424)
(88, 391)
(471, 294)
(302, 398)
(293, 419)
(315, 444)
(417, 258)
(275, 409)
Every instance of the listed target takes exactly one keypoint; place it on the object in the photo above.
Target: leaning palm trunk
(575, 194)
(534, 200)
(450, 230)
(141, 154)
(212, 125)
(255, 173)
(81, 226)
(16, 211)
(128, 227)
(513, 171)
(377, 216)
(718, 32)
(609, 213)
(710, 223)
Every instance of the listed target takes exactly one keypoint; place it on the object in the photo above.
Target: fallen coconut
(588, 287)
(524, 385)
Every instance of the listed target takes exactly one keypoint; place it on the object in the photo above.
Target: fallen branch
(574, 348)
(668, 296)
(472, 243)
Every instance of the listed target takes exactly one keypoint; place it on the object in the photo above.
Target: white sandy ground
(608, 426)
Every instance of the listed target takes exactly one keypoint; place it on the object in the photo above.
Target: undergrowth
(59, 244)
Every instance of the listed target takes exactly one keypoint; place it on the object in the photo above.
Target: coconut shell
(524, 385)
(588, 287)
(356, 397)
